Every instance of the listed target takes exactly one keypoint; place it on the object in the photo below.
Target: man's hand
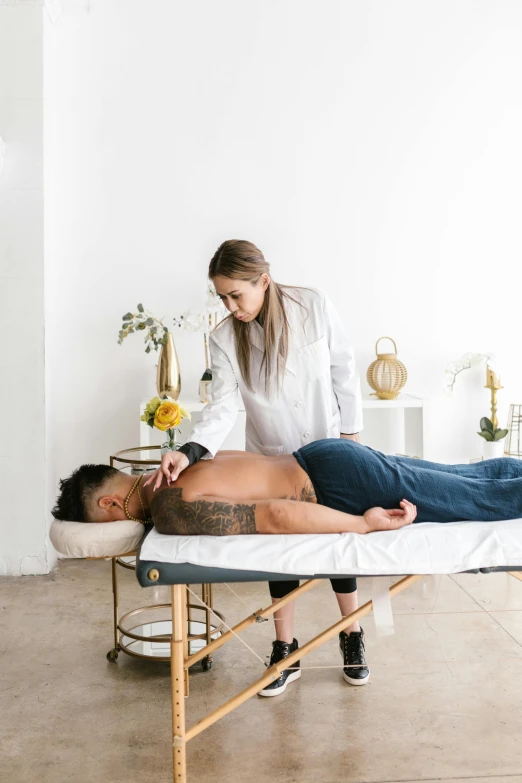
(390, 519)
(172, 463)
(354, 437)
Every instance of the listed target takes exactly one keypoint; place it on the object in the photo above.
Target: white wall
(23, 520)
(371, 149)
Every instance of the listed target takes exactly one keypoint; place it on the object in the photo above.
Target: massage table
(409, 554)
(179, 561)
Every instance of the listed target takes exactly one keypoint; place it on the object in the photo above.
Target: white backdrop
(23, 515)
(370, 149)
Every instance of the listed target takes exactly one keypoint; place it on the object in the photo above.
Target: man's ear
(107, 501)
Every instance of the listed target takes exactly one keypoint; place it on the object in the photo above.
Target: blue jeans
(351, 477)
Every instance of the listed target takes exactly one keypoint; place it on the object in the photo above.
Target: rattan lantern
(387, 376)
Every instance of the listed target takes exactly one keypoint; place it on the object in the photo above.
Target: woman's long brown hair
(241, 260)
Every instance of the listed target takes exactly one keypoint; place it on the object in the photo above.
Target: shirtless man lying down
(330, 486)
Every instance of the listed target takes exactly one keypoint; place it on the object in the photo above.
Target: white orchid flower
(466, 361)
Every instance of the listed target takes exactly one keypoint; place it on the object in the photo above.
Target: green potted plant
(493, 439)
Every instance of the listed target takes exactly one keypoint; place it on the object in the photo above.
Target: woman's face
(241, 297)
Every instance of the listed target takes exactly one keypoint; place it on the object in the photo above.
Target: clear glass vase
(171, 444)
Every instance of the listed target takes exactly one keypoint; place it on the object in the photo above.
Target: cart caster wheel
(112, 655)
(206, 663)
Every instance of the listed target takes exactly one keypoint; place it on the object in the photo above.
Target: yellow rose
(167, 416)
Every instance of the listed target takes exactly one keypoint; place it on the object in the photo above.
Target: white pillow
(96, 539)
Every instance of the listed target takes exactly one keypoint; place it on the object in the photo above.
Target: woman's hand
(390, 519)
(172, 463)
(354, 437)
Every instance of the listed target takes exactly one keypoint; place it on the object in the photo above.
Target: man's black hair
(77, 490)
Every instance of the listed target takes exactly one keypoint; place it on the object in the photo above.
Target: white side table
(395, 426)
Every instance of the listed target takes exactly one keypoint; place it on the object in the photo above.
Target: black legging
(347, 584)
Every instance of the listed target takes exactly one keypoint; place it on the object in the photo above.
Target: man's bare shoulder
(191, 480)
(185, 483)
(241, 454)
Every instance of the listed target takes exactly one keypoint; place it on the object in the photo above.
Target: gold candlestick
(493, 384)
(205, 341)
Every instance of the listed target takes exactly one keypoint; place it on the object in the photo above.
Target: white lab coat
(320, 395)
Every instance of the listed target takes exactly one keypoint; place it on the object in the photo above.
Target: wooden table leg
(177, 669)
(186, 624)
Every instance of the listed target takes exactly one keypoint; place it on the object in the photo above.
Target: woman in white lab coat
(285, 349)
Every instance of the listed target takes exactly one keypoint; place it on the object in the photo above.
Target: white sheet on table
(426, 548)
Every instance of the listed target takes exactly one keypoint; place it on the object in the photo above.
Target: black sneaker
(351, 647)
(282, 650)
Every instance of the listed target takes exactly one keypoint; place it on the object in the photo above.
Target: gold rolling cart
(146, 632)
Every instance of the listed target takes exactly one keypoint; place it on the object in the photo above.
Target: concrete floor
(444, 702)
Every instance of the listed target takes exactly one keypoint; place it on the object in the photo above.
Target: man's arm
(209, 516)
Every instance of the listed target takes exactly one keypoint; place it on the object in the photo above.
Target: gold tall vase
(168, 380)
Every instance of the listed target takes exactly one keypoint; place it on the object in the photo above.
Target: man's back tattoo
(308, 493)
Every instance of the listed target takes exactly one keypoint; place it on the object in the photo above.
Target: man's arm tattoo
(174, 516)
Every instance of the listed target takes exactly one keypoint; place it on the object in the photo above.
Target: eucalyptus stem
(144, 321)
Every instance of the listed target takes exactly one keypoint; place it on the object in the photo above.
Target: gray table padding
(186, 573)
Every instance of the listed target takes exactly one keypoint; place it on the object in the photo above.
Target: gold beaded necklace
(126, 504)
